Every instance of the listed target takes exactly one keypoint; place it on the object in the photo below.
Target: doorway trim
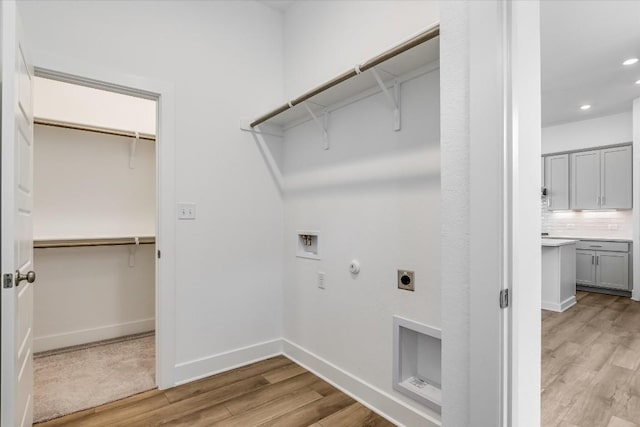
(86, 74)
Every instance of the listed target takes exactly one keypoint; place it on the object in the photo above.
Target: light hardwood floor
(590, 361)
(274, 392)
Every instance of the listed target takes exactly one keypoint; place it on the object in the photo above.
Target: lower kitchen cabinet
(603, 265)
(586, 268)
(612, 270)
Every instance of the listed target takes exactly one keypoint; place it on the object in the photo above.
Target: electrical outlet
(406, 280)
(321, 279)
(186, 211)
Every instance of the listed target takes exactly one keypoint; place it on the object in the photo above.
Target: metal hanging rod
(411, 43)
(107, 241)
(97, 129)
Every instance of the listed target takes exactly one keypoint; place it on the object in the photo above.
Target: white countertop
(558, 242)
(598, 238)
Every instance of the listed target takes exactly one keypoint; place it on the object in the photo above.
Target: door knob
(29, 277)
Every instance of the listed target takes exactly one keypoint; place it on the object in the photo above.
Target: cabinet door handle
(597, 259)
(595, 246)
(592, 257)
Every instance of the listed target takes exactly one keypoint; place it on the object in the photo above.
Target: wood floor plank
(271, 410)
(354, 415)
(63, 421)
(128, 400)
(272, 392)
(323, 387)
(226, 378)
(121, 413)
(625, 357)
(244, 397)
(197, 403)
(619, 422)
(591, 363)
(312, 412)
(202, 418)
(283, 373)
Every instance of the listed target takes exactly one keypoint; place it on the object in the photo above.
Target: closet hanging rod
(97, 129)
(423, 37)
(107, 241)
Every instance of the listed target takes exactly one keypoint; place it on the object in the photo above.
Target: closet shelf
(97, 129)
(96, 241)
(411, 55)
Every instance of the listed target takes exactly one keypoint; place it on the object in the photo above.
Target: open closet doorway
(590, 213)
(95, 214)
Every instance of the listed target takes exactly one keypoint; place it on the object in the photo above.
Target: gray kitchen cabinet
(615, 178)
(612, 270)
(601, 179)
(585, 180)
(556, 181)
(586, 267)
(603, 264)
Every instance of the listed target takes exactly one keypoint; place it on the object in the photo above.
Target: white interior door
(17, 231)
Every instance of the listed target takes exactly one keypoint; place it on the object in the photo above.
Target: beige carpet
(79, 378)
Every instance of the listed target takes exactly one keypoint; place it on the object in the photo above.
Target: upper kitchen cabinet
(615, 178)
(556, 181)
(601, 179)
(585, 180)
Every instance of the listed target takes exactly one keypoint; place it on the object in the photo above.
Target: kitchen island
(558, 274)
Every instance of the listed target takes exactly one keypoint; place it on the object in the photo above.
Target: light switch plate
(186, 211)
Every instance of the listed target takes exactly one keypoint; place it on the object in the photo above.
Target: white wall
(375, 197)
(91, 294)
(325, 38)
(224, 59)
(455, 233)
(71, 103)
(84, 188)
(607, 130)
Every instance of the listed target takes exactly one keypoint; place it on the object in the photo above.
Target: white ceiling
(583, 44)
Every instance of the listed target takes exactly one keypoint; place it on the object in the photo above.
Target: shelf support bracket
(323, 125)
(132, 151)
(394, 99)
(132, 251)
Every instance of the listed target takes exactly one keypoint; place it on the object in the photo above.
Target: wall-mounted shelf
(96, 129)
(380, 71)
(93, 241)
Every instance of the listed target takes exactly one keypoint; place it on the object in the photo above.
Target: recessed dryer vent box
(417, 362)
(308, 244)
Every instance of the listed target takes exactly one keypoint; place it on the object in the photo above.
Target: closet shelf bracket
(394, 99)
(323, 125)
(132, 251)
(132, 151)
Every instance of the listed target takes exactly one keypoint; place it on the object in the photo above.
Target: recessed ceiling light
(585, 107)
(638, 82)
(630, 61)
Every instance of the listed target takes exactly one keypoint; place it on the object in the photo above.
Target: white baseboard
(211, 365)
(83, 336)
(375, 399)
(552, 306)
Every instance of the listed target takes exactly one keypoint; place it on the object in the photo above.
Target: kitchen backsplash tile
(613, 224)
